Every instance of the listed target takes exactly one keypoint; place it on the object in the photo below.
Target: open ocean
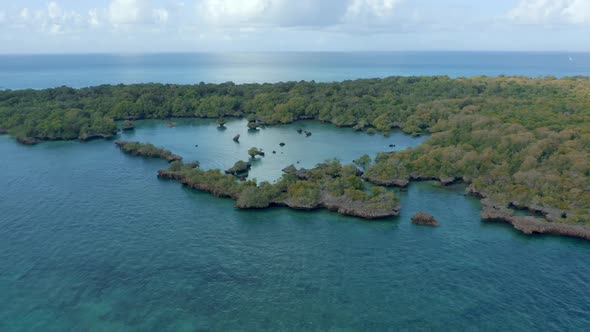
(44, 71)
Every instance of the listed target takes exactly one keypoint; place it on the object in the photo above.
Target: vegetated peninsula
(329, 185)
(519, 142)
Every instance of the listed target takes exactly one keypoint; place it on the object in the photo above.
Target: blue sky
(133, 26)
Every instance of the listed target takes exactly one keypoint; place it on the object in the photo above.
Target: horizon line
(293, 52)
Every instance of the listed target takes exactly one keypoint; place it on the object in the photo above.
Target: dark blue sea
(43, 71)
(92, 240)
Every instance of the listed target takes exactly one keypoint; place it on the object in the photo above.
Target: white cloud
(25, 14)
(132, 12)
(54, 11)
(375, 8)
(122, 12)
(160, 16)
(578, 12)
(93, 19)
(551, 12)
(232, 11)
(238, 13)
(240, 16)
(51, 19)
(55, 20)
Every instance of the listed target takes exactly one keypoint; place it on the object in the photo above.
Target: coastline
(341, 204)
(501, 134)
(492, 211)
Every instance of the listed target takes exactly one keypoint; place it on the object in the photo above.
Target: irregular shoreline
(341, 204)
(491, 211)
(495, 212)
(525, 140)
(25, 140)
(405, 182)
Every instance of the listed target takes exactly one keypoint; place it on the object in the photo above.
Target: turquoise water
(43, 71)
(216, 148)
(91, 240)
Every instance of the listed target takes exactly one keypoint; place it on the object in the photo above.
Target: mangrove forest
(521, 143)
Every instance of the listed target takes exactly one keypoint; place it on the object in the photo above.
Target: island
(254, 151)
(424, 218)
(523, 143)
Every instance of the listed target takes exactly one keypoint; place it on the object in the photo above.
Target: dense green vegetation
(147, 150)
(517, 140)
(414, 103)
(363, 161)
(329, 185)
(128, 125)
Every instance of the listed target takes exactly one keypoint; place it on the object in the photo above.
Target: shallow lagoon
(90, 239)
(216, 148)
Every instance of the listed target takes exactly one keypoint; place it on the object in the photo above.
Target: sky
(139, 26)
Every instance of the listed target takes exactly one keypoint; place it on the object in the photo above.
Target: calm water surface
(202, 140)
(44, 71)
(91, 240)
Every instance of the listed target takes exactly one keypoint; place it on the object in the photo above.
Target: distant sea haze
(46, 71)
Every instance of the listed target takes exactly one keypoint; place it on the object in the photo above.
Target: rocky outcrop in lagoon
(27, 140)
(291, 169)
(239, 168)
(424, 218)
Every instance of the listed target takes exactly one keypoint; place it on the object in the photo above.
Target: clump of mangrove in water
(147, 150)
(254, 151)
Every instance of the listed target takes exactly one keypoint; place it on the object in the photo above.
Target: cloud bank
(171, 25)
(214, 13)
(576, 12)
